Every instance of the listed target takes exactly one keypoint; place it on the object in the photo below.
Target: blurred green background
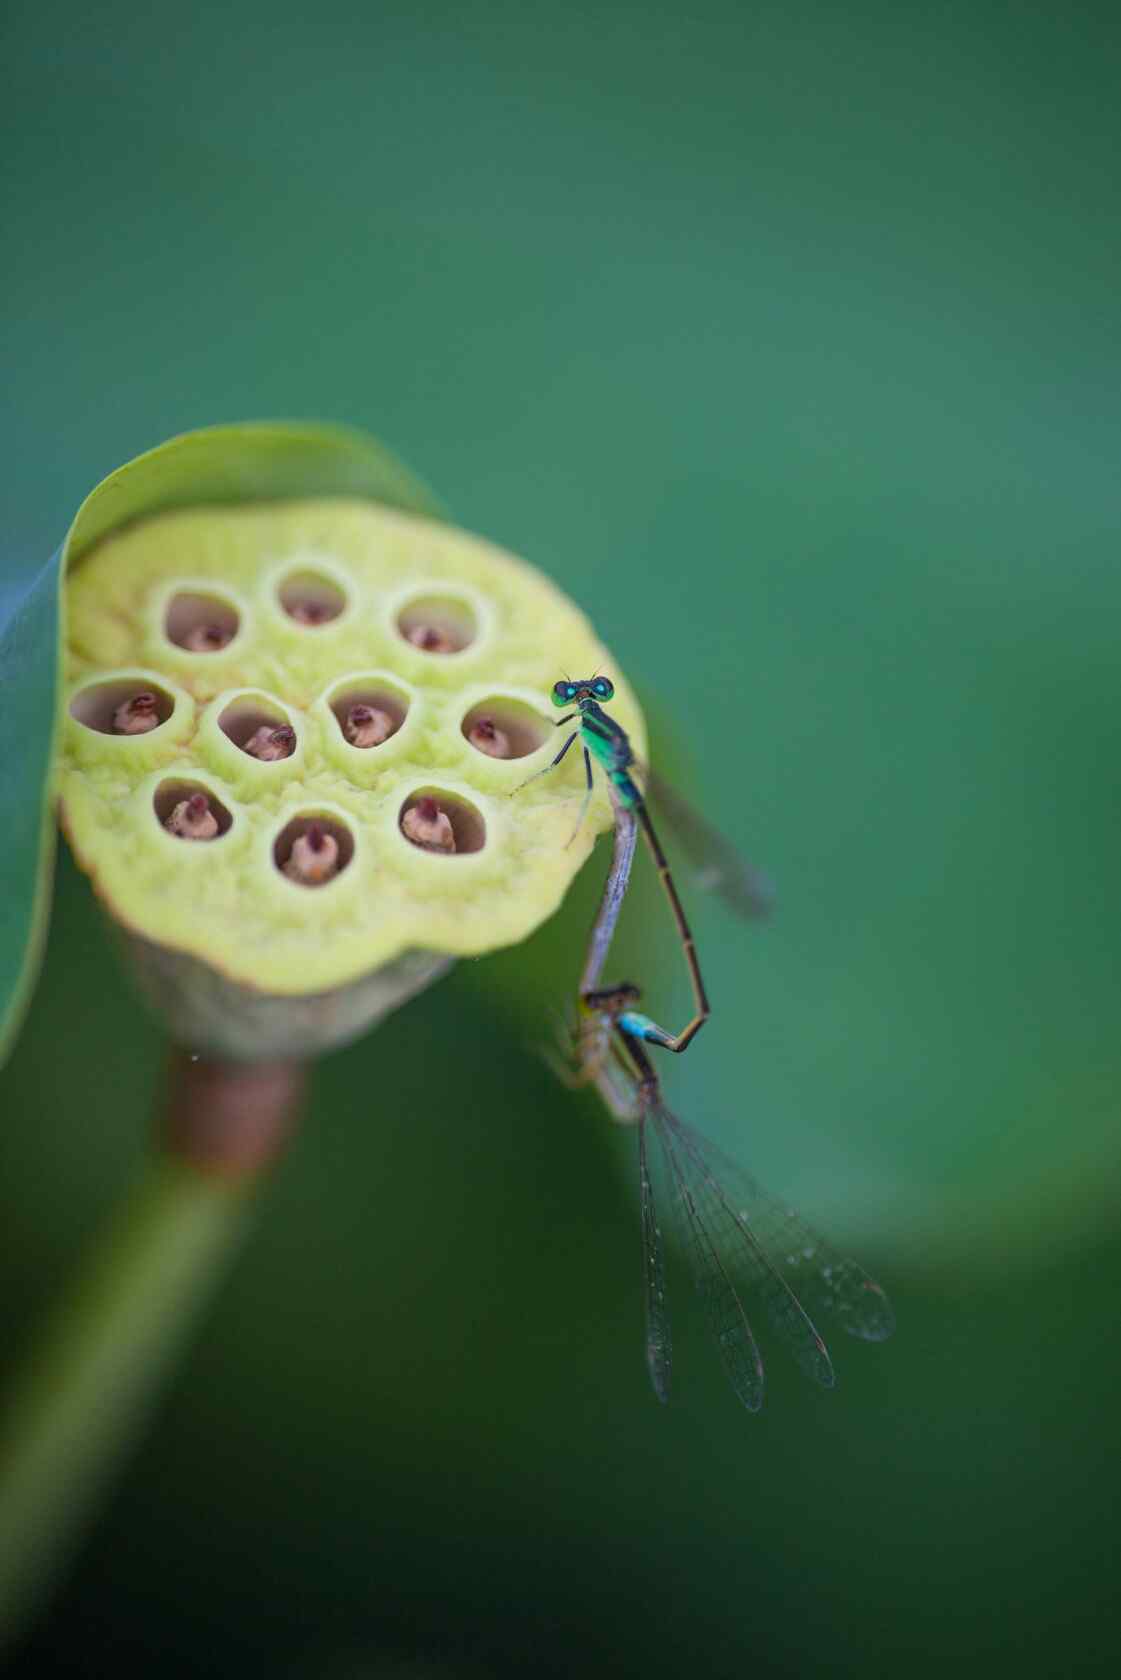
(786, 337)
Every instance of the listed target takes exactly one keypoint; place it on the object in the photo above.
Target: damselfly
(722, 868)
(744, 1244)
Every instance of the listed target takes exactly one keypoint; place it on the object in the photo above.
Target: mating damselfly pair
(744, 1244)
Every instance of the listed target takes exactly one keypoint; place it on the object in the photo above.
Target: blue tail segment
(641, 1026)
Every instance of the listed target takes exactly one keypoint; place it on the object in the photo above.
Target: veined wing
(744, 1257)
(659, 1350)
(719, 867)
(723, 1309)
(826, 1281)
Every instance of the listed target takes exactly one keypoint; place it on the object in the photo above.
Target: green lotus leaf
(28, 642)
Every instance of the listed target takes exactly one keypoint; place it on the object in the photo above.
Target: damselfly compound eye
(603, 688)
(562, 693)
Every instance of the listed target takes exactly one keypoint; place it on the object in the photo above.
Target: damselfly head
(590, 688)
(614, 1000)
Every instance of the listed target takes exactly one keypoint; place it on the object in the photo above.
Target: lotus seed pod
(342, 699)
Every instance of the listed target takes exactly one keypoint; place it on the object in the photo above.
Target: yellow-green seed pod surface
(291, 735)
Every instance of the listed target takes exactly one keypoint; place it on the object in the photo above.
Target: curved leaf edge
(28, 657)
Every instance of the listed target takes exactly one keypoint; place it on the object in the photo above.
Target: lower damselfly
(746, 1247)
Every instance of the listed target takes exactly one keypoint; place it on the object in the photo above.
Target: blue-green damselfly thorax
(744, 1244)
(721, 867)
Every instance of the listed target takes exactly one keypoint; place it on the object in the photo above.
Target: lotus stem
(88, 1385)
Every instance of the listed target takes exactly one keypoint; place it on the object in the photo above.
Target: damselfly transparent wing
(724, 1312)
(742, 1256)
(716, 863)
(659, 1349)
(826, 1282)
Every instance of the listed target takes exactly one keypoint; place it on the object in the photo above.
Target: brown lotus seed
(314, 857)
(136, 716)
(366, 726)
(310, 612)
(192, 819)
(426, 636)
(489, 738)
(206, 638)
(428, 827)
(269, 743)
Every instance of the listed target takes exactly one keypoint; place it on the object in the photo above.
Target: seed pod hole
(440, 822)
(263, 733)
(190, 811)
(311, 598)
(122, 706)
(503, 728)
(437, 625)
(312, 849)
(201, 623)
(368, 713)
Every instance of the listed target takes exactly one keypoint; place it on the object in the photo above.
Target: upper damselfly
(720, 865)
